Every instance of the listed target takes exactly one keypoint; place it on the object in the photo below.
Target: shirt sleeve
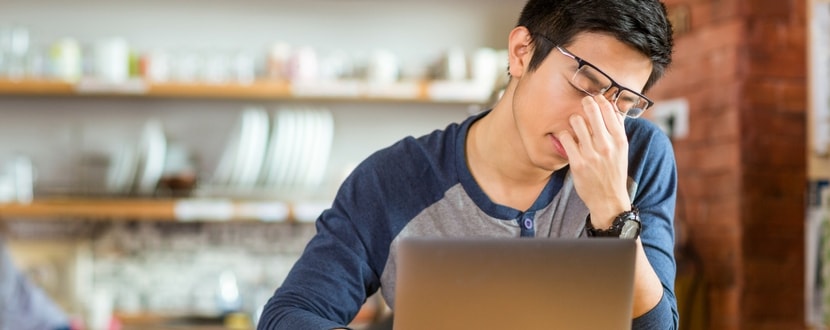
(327, 285)
(653, 166)
(341, 265)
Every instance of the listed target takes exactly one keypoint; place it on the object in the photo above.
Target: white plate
(294, 159)
(122, 170)
(276, 148)
(309, 148)
(252, 148)
(224, 170)
(283, 149)
(322, 149)
(153, 149)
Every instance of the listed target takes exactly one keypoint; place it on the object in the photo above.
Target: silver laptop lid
(514, 283)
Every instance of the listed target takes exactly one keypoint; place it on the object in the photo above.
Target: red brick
(742, 67)
(700, 189)
(712, 126)
(721, 157)
(769, 122)
(722, 185)
(722, 126)
(774, 150)
(725, 209)
(717, 68)
(706, 13)
(715, 97)
(697, 44)
(765, 324)
(769, 9)
(714, 159)
(777, 94)
(691, 213)
(772, 301)
(799, 14)
(773, 36)
(725, 307)
(772, 184)
(721, 262)
(782, 242)
(782, 64)
(767, 274)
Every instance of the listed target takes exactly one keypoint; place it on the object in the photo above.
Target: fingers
(612, 118)
(570, 145)
(582, 130)
(591, 108)
(598, 128)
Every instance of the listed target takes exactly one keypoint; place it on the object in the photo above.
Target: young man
(555, 157)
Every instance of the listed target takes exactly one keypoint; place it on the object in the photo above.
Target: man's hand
(598, 157)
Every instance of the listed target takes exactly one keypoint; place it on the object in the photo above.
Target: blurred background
(162, 162)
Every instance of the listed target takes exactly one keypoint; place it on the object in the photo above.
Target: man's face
(545, 99)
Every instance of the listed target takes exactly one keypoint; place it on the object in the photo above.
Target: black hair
(642, 24)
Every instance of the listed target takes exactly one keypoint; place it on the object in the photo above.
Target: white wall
(69, 138)
(65, 136)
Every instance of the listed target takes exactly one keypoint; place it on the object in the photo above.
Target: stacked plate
(298, 150)
(242, 159)
(288, 153)
(138, 170)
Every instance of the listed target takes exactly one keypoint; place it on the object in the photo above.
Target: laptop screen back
(514, 284)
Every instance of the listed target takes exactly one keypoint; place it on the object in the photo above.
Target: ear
(519, 51)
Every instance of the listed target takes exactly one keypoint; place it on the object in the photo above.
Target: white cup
(65, 55)
(112, 59)
(7, 188)
(456, 68)
(304, 65)
(485, 66)
(23, 171)
(100, 310)
(158, 66)
(279, 57)
(383, 67)
(244, 68)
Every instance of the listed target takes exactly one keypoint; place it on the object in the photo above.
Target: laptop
(489, 283)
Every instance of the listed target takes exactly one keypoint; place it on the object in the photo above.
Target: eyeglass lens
(593, 82)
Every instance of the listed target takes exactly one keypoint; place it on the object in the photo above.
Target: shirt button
(528, 223)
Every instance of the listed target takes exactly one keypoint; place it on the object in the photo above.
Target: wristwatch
(626, 225)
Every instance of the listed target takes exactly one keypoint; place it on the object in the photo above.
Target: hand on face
(598, 158)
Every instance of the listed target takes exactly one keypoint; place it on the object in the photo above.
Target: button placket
(527, 225)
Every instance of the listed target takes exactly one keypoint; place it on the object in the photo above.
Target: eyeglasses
(592, 81)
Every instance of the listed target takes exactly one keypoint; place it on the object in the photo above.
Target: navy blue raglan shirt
(423, 187)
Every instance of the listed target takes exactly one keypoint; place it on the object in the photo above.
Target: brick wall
(742, 169)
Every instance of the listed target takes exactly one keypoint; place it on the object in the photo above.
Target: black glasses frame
(581, 63)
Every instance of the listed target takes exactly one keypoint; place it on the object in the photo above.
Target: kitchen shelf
(349, 91)
(173, 210)
(35, 87)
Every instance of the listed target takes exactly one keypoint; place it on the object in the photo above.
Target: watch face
(630, 229)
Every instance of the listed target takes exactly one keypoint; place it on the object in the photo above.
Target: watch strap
(616, 226)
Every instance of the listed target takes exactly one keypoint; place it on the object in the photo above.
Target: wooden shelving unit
(173, 210)
(196, 209)
(35, 87)
(258, 90)
(91, 208)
